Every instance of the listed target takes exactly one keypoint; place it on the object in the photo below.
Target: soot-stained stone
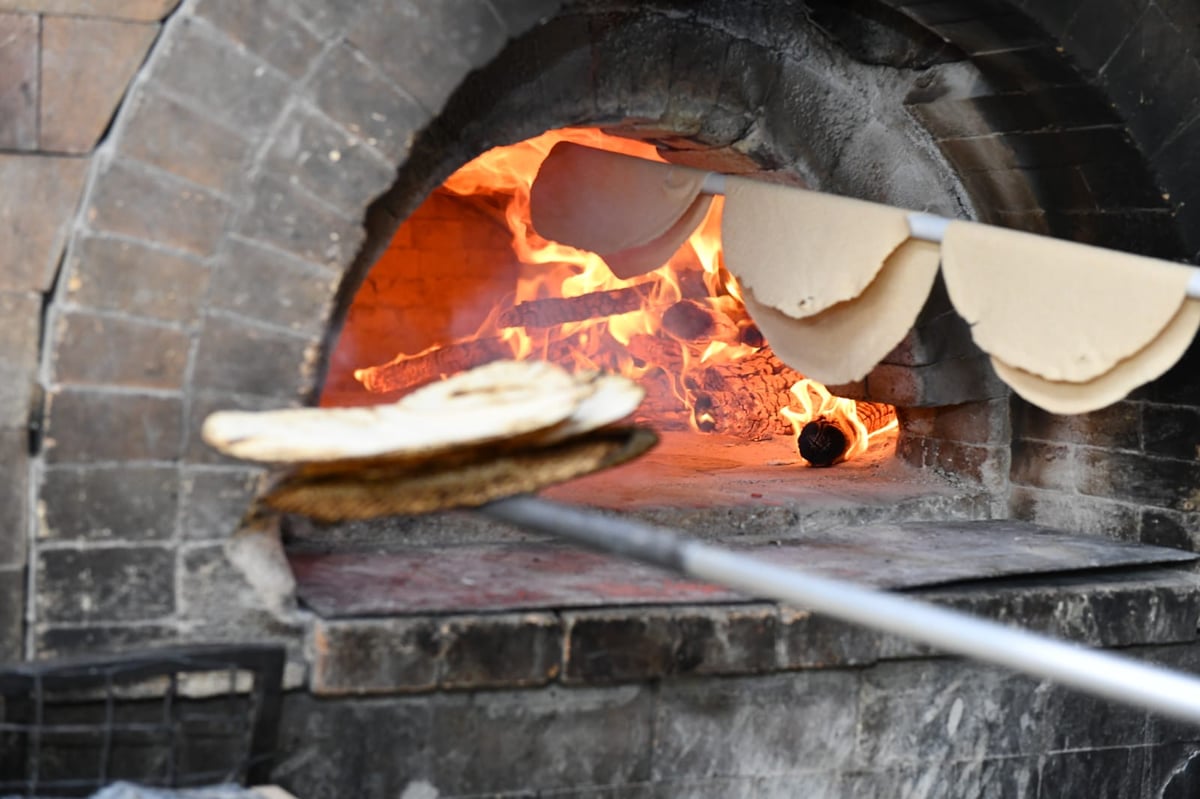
(14, 496)
(103, 350)
(131, 200)
(777, 724)
(214, 501)
(110, 584)
(1168, 529)
(169, 134)
(219, 77)
(507, 741)
(1146, 480)
(134, 279)
(375, 656)
(353, 92)
(132, 503)
(1075, 513)
(1112, 772)
(1117, 426)
(1029, 69)
(500, 651)
(22, 314)
(811, 640)
(1172, 431)
(12, 613)
(242, 358)
(604, 646)
(85, 426)
(1043, 465)
(948, 382)
(264, 29)
(54, 641)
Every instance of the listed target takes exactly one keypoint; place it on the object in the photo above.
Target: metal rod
(1120, 679)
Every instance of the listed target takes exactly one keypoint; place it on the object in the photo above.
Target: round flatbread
(388, 489)
(502, 400)
(1056, 309)
(606, 202)
(635, 261)
(801, 252)
(1143, 366)
(843, 343)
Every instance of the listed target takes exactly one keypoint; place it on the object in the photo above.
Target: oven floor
(711, 487)
(525, 577)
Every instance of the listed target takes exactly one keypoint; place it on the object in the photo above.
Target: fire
(681, 330)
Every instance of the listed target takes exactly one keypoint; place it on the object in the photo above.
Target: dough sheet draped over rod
(834, 283)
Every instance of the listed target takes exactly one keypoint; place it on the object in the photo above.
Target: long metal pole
(1118, 678)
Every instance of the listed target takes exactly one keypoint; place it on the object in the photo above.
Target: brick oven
(216, 204)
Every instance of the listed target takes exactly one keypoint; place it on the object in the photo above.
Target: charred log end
(688, 320)
(822, 442)
(751, 336)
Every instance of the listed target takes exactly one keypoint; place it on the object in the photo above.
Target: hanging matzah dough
(1151, 361)
(502, 400)
(1056, 309)
(626, 264)
(801, 252)
(841, 344)
(606, 202)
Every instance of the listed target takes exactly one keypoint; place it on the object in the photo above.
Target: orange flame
(556, 270)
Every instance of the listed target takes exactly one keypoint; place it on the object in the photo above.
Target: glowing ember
(681, 330)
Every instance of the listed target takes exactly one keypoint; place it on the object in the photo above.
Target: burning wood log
(554, 311)
(823, 441)
(693, 320)
(408, 372)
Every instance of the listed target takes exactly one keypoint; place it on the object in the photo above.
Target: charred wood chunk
(822, 442)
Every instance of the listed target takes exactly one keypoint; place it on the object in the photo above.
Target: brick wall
(64, 68)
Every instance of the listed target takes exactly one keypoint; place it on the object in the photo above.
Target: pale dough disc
(1056, 309)
(373, 490)
(606, 202)
(801, 252)
(1151, 361)
(501, 400)
(841, 344)
(612, 398)
(635, 261)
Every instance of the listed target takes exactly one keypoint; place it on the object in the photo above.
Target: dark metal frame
(26, 689)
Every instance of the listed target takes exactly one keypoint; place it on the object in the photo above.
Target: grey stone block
(508, 650)
(136, 503)
(19, 61)
(301, 295)
(37, 209)
(265, 29)
(554, 739)
(52, 641)
(753, 726)
(375, 656)
(89, 349)
(22, 315)
(241, 358)
(214, 501)
(288, 217)
(105, 584)
(14, 496)
(12, 614)
(84, 426)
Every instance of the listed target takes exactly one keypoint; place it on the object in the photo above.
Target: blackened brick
(1039, 150)
(1118, 425)
(85, 426)
(175, 138)
(117, 275)
(1092, 38)
(93, 639)
(105, 584)
(36, 210)
(328, 160)
(21, 313)
(1179, 385)
(355, 94)
(265, 29)
(811, 641)
(1043, 465)
(289, 218)
(1169, 529)
(215, 501)
(133, 201)
(1030, 69)
(1142, 479)
(1172, 431)
(375, 656)
(14, 496)
(12, 614)
(500, 651)
(236, 357)
(206, 66)
(427, 48)
(607, 647)
(1102, 772)
(19, 95)
(104, 350)
(130, 503)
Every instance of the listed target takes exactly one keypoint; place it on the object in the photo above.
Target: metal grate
(180, 717)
